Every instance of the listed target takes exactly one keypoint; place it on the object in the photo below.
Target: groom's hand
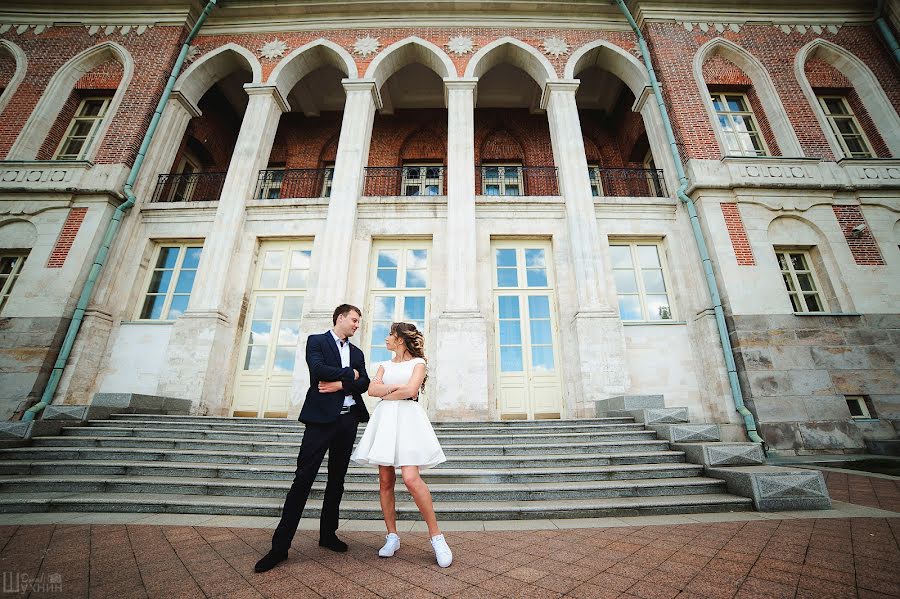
(330, 387)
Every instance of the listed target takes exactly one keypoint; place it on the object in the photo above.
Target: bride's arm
(412, 386)
(377, 388)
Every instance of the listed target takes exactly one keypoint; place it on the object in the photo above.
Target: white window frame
(594, 179)
(792, 274)
(271, 184)
(176, 272)
(637, 270)
(422, 182)
(747, 115)
(502, 179)
(850, 117)
(654, 181)
(90, 138)
(860, 401)
(7, 286)
(328, 181)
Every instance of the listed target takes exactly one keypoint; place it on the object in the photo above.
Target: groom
(331, 413)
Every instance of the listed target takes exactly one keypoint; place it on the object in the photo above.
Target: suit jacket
(324, 361)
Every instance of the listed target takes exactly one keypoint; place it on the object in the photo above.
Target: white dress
(399, 432)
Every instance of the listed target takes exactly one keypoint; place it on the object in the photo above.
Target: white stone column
(461, 324)
(331, 251)
(601, 341)
(197, 367)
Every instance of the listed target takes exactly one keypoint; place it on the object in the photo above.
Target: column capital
(182, 100)
(255, 89)
(369, 85)
(558, 86)
(460, 83)
(638, 105)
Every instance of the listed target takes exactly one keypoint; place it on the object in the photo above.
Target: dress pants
(337, 438)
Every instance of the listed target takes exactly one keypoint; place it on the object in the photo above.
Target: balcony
(188, 187)
(516, 180)
(408, 181)
(627, 182)
(274, 184)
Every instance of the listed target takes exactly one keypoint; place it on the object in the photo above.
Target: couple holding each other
(399, 434)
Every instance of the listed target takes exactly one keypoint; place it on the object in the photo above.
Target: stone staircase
(608, 466)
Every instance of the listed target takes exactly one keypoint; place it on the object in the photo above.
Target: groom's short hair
(344, 309)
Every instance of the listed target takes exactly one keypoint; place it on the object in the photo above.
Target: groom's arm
(360, 385)
(315, 359)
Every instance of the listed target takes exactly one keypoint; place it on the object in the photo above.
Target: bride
(400, 435)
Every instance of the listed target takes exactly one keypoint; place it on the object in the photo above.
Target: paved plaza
(851, 551)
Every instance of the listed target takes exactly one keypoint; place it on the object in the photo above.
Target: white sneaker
(391, 545)
(442, 551)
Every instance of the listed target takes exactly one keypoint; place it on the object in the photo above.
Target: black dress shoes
(333, 543)
(270, 560)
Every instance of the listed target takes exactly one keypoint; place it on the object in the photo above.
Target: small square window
(423, 179)
(502, 180)
(859, 408)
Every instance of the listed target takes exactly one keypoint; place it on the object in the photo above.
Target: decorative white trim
(406, 51)
(460, 45)
(556, 46)
(307, 58)
(517, 53)
(21, 68)
(192, 53)
(365, 46)
(211, 67)
(273, 49)
(123, 30)
(42, 118)
(627, 68)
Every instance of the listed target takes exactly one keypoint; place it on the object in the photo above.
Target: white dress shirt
(344, 349)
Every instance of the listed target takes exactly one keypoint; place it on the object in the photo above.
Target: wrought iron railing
(408, 180)
(515, 180)
(631, 182)
(294, 183)
(188, 187)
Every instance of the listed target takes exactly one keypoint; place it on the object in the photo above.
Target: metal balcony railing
(631, 182)
(516, 180)
(408, 180)
(294, 183)
(188, 187)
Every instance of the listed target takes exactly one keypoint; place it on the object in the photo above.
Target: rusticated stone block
(714, 455)
(654, 415)
(687, 432)
(775, 488)
(624, 403)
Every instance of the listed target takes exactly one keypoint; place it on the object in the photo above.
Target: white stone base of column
(601, 358)
(458, 369)
(313, 323)
(198, 367)
(80, 378)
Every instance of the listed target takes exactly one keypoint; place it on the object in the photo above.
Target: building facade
(503, 179)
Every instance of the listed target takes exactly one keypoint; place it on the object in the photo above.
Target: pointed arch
(427, 142)
(306, 59)
(515, 52)
(21, 61)
(42, 118)
(870, 92)
(612, 58)
(212, 67)
(407, 51)
(774, 110)
(501, 144)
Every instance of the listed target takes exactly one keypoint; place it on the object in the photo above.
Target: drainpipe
(737, 396)
(886, 31)
(112, 228)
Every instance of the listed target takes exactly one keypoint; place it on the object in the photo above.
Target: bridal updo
(413, 339)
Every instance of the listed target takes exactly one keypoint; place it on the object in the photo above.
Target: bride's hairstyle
(413, 339)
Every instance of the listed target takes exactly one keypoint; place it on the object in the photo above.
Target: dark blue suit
(326, 430)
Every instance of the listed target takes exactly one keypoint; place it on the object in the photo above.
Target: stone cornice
(800, 12)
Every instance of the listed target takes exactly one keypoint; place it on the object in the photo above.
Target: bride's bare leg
(387, 478)
(422, 496)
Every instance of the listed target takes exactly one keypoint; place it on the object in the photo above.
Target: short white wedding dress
(399, 432)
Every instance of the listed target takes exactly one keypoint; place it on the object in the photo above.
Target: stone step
(296, 436)
(354, 474)
(289, 459)
(361, 491)
(299, 427)
(436, 425)
(371, 510)
(286, 447)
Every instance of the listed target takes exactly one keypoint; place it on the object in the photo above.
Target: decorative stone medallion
(460, 45)
(274, 49)
(555, 46)
(192, 53)
(366, 46)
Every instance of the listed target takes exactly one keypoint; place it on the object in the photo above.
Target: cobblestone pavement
(750, 557)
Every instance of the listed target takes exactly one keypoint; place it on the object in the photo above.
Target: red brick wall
(216, 131)
(306, 142)
(864, 248)
(48, 148)
(66, 237)
(674, 49)
(154, 52)
(825, 79)
(742, 250)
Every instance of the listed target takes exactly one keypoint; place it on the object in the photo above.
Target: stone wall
(28, 347)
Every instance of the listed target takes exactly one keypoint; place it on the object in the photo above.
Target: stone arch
(17, 234)
(42, 118)
(591, 151)
(870, 92)
(18, 55)
(771, 103)
(407, 51)
(213, 66)
(306, 59)
(329, 150)
(515, 52)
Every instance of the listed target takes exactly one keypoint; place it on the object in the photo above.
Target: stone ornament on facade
(274, 49)
(460, 45)
(801, 29)
(555, 46)
(192, 53)
(122, 29)
(20, 29)
(366, 46)
(706, 27)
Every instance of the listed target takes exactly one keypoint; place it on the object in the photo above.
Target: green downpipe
(727, 350)
(112, 229)
(886, 31)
